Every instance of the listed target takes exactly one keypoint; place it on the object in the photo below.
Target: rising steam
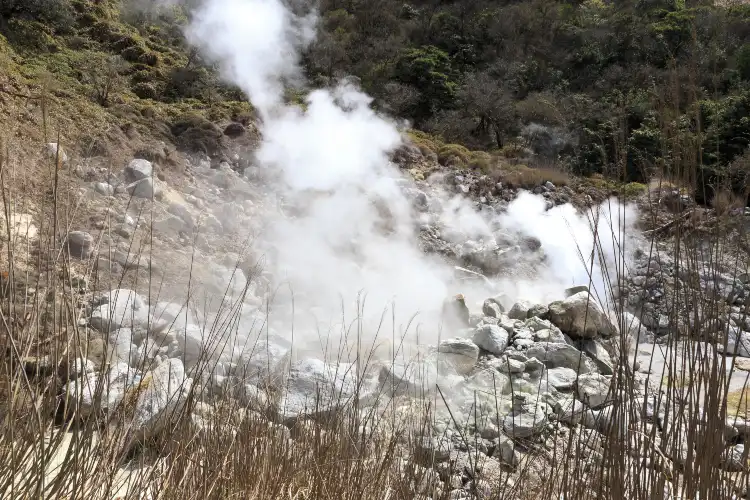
(356, 230)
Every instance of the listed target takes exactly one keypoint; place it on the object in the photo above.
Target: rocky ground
(519, 375)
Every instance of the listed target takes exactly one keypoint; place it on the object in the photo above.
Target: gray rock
(315, 388)
(738, 342)
(183, 213)
(505, 450)
(407, 378)
(92, 391)
(593, 389)
(507, 365)
(557, 355)
(491, 338)
(576, 289)
(520, 310)
(461, 353)
(538, 311)
(122, 308)
(431, 450)
(526, 419)
(80, 244)
(734, 458)
(104, 188)
(144, 188)
(56, 152)
(599, 355)
(157, 399)
(492, 309)
(580, 316)
(139, 169)
(562, 378)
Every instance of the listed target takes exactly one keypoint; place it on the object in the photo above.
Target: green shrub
(31, 35)
(452, 153)
(145, 90)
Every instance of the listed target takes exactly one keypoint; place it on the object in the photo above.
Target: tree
(429, 70)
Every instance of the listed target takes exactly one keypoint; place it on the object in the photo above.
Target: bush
(31, 35)
(139, 54)
(453, 153)
(55, 15)
(196, 134)
(145, 90)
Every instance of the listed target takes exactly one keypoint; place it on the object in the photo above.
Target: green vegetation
(585, 86)
(113, 65)
(581, 83)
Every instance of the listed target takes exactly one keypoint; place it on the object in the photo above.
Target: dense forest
(620, 88)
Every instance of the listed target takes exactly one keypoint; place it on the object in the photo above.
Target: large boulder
(145, 188)
(526, 419)
(491, 338)
(155, 402)
(121, 308)
(557, 355)
(593, 389)
(139, 169)
(581, 316)
(460, 353)
(91, 392)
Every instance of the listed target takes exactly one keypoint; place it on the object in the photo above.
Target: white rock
(314, 387)
(461, 353)
(104, 188)
(55, 151)
(124, 309)
(557, 355)
(593, 389)
(144, 188)
(491, 338)
(82, 391)
(139, 169)
(581, 316)
(157, 399)
(561, 378)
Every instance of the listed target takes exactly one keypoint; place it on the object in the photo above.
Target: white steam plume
(356, 231)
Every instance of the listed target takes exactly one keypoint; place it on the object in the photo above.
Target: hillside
(373, 250)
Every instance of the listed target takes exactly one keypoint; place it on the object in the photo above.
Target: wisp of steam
(354, 234)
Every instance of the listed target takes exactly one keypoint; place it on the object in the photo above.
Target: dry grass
(521, 176)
